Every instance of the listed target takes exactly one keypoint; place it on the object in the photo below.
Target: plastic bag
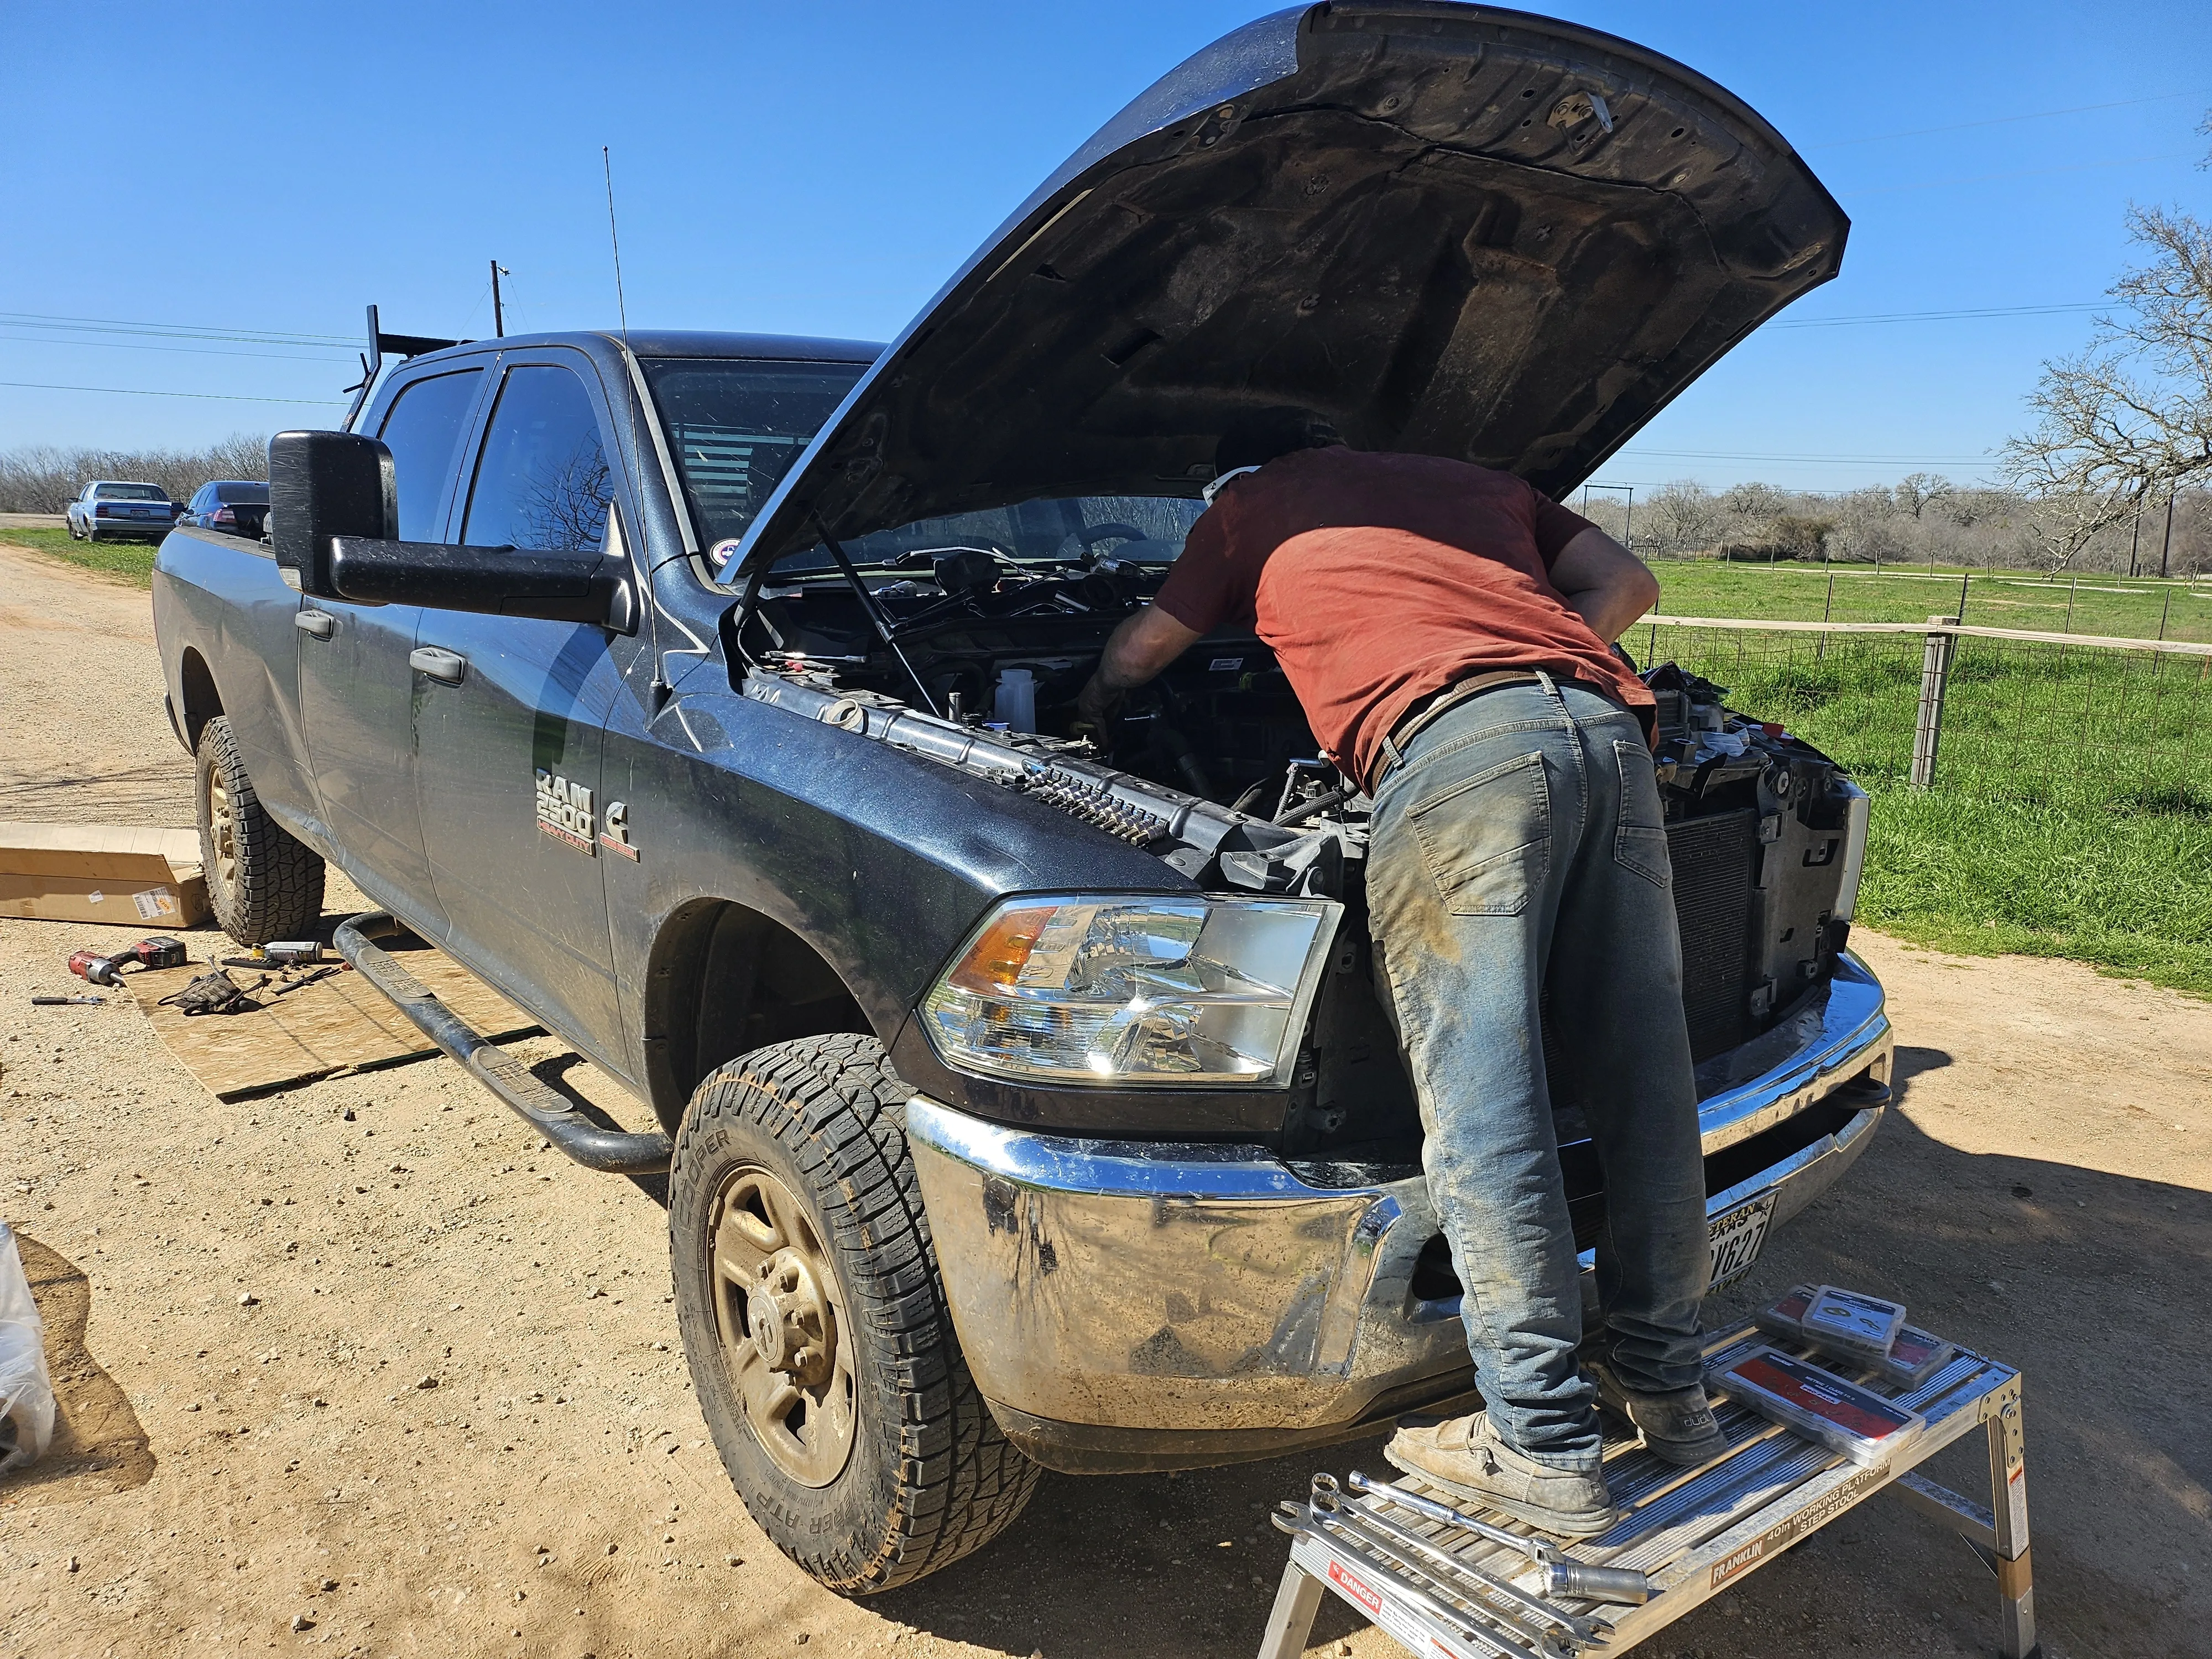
(27, 1393)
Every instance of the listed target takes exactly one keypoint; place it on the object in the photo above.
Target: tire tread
(279, 893)
(839, 1110)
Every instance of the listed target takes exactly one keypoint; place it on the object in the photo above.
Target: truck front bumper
(1129, 1305)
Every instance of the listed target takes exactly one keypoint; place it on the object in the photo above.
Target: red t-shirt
(1379, 579)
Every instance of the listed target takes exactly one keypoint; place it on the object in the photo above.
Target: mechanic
(1449, 632)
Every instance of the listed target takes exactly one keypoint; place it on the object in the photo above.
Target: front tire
(819, 1341)
(262, 883)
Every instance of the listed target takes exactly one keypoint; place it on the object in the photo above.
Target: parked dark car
(1024, 1100)
(240, 506)
(112, 510)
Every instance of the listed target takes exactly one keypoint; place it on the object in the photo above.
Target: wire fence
(2054, 719)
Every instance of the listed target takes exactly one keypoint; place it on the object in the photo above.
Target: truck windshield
(1139, 529)
(735, 425)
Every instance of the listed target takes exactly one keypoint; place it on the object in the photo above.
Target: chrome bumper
(1131, 1305)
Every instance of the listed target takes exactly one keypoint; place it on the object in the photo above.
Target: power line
(169, 331)
(140, 392)
(2030, 172)
(1963, 314)
(1834, 460)
(2007, 120)
(195, 351)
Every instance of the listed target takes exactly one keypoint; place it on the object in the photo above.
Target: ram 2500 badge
(1025, 1101)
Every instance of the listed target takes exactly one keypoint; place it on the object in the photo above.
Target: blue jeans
(1517, 844)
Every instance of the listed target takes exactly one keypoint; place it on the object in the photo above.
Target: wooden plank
(339, 1023)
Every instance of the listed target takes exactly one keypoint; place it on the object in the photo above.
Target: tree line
(1923, 518)
(46, 478)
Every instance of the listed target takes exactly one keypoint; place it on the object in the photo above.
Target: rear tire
(262, 883)
(820, 1344)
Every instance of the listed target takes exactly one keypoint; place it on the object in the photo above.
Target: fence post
(1934, 680)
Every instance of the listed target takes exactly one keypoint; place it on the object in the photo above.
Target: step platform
(1440, 1589)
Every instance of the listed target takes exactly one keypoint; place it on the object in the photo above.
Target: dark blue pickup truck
(1025, 1098)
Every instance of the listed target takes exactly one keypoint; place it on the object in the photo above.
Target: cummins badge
(616, 836)
(564, 811)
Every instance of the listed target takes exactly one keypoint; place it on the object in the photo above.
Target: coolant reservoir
(1015, 705)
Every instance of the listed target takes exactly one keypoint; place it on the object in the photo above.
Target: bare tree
(1684, 518)
(2129, 421)
(1917, 491)
(44, 479)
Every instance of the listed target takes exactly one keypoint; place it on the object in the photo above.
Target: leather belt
(1423, 714)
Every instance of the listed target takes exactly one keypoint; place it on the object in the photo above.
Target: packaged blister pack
(1858, 1324)
(1912, 1358)
(1818, 1404)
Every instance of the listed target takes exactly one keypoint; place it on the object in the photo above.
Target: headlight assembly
(1182, 992)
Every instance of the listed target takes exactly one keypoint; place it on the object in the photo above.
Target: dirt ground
(361, 1369)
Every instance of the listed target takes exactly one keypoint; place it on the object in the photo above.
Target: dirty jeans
(1517, 845)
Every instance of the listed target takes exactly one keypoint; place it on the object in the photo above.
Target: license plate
(1736, 1236)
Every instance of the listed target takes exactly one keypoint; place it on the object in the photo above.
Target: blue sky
(819, 169)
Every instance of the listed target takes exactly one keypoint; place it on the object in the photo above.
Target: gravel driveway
(361, 1368)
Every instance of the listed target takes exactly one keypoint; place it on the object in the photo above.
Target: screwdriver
(63, 1002)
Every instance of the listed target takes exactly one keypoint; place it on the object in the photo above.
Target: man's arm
(1138, 649)
(1603, 583)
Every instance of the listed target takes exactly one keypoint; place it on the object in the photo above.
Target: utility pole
(2135, 539)
(1628, 522)
(498, 314)
(2167, 547)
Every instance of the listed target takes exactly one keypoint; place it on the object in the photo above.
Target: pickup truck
(1024, 1100)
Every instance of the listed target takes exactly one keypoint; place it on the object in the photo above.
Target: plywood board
(339, 1023)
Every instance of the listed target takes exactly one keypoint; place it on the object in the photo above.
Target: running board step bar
(615, 1151)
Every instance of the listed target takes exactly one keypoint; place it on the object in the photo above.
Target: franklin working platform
(1482, 1586)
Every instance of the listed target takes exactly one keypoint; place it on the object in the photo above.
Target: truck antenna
(621, 310)
(657, 690)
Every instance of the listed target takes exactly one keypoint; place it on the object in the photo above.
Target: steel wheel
(779, 1314)
(222, 831)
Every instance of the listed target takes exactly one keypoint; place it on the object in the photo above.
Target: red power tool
(157, 952)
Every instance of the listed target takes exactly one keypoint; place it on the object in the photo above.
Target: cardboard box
(119, 874)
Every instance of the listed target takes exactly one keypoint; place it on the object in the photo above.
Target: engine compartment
(975, 660)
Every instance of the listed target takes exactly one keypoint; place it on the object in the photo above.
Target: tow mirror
(323, 485)
(497, 582)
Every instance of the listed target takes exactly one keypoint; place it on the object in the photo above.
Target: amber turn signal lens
(994, 962)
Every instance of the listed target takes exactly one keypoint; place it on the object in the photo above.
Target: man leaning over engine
(1448, 631)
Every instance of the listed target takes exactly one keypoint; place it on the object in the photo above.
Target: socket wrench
(1559, 1575)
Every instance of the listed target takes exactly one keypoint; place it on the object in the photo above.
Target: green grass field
(2072, 814)
(131, 561)
(2110, 606)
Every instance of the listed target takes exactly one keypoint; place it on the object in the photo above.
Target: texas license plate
(1736, 1236)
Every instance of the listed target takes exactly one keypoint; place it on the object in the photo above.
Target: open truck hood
(1453, 229)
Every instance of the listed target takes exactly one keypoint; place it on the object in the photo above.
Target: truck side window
(542, 483)
(423, 430)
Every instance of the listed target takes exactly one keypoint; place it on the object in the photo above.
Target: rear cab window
(422, 430)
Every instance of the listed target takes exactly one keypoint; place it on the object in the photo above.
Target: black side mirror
(323, 485)
(497, 582)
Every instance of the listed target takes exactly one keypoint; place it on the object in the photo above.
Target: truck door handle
(320, 623)
(439, 663)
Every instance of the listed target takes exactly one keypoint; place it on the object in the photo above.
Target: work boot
(1467, 1459)
(1678, 1426)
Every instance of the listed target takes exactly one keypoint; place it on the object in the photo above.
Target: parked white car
(111, 509)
